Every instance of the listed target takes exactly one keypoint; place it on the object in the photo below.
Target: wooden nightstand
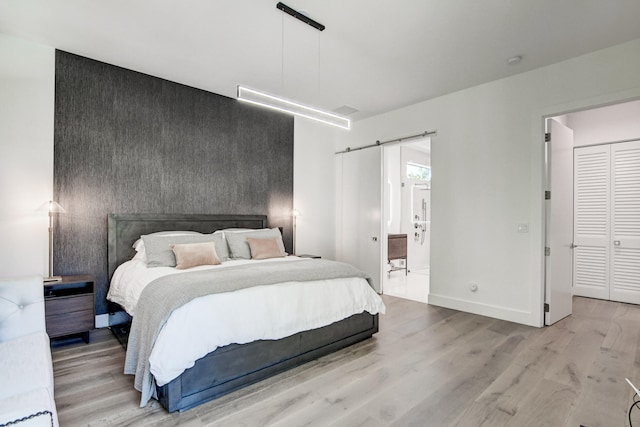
(69, 306)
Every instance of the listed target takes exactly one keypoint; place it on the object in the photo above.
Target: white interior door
(360, 183)
(591, 221)
(625, 228)
(559, 223)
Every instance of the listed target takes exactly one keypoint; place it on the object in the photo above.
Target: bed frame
(234, 366)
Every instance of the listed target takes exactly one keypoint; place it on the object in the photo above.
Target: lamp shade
(52, 207)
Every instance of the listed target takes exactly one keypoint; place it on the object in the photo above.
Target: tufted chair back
(21, 307)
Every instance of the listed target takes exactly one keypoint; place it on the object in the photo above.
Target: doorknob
(616, 242)
(571, 246)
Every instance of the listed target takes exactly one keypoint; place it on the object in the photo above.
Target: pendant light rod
(378, 143)
(290, 11)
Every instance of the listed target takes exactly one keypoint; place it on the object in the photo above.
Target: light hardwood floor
(427, 366)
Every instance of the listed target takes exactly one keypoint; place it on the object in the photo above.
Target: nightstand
(69, 306)
(309, 256)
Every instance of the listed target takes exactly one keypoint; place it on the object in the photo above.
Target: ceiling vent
(345, 110)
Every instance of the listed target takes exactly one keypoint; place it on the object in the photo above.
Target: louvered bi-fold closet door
(625, 216)
(591, 196)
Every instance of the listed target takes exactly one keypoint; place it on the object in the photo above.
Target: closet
(607, 221)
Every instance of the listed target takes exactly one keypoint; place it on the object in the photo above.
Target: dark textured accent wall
(126, 142)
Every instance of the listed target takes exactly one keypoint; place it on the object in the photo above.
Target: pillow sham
(194, 254)
(159, 253)
(222, 248)
(265, 248)
(239, 248)
(239, 230)
(138, 245)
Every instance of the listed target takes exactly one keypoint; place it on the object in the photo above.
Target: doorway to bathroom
(407, 219)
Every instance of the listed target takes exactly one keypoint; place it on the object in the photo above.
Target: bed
(236, 364)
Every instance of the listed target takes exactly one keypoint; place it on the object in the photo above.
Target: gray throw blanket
(158, 300)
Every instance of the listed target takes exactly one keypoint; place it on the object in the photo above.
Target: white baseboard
(503, 313)
(102, 320)
(106, 320)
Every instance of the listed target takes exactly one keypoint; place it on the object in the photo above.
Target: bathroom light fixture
(281, 104)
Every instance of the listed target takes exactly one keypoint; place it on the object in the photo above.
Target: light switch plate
(523, 228)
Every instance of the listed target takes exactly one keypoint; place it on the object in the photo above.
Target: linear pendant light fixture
(281, 104)
(285, 105)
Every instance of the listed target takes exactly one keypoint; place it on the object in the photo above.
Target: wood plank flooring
(427, 366)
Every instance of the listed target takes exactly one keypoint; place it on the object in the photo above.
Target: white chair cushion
(25, 364)
(21, 307)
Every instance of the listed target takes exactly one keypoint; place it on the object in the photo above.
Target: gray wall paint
(126, 142)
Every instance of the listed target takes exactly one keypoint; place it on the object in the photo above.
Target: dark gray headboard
(124, 229)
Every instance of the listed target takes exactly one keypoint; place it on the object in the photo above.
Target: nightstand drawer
(68, 304)
(69, 323)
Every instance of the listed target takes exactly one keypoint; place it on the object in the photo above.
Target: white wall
(606, 124)
(487, 163)
(314, 187)
(26, 154)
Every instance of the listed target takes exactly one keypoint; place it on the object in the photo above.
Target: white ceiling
(374, 55)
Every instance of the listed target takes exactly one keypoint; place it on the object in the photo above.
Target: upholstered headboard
(124, 229)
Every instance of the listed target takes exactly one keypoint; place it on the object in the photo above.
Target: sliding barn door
(625, 228)
(359, 211)
(591, 221)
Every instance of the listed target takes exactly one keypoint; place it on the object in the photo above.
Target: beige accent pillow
(193, 254)
(264, 248)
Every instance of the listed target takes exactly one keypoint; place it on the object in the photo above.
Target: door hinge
(547, 251)
(547, 195)
(547, 137)
(546, 307)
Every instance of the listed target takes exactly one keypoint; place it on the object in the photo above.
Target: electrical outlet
(523, 228)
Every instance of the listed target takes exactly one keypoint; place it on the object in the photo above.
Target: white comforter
(256, 313)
